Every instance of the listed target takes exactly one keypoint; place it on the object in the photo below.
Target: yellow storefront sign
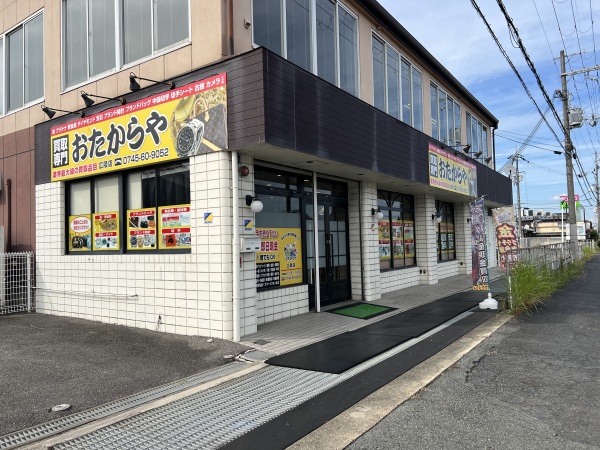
(451, 172)
(279, 262)
(183, 122)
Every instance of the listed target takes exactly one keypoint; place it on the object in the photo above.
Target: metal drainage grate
(66, 423)
(214, 417)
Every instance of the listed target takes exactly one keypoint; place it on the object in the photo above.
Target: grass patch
(531, 284)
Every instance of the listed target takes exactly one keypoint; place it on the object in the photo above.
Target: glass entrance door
(333, 264)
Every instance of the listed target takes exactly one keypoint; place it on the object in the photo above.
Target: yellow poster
(175, 227)
(384, 240)
(141, 229)
(279, 262)
(451, 172)
(183, 122)
(106, 231)
(80, 233)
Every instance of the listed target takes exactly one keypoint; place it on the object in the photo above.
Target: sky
(456, 35)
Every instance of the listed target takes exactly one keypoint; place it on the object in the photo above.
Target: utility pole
(597, 196)
(569, 159)
(517, 179)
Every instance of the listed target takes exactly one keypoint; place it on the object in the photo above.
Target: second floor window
(397, 85)
(100, 36)
(477, 137)
(22, 71)
(445, 117)
(285, 27)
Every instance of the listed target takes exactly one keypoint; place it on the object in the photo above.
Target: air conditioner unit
(575, 117)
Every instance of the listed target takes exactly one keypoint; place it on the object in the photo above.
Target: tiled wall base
(277, 304)
(399, 279)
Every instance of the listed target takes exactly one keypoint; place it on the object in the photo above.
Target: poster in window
(106, 231)
(443, 238)
(175, 225)
(384, 240)
(80, 233)
(141, 229)
(409, 238)
(279, 261)
(398, 247)
(450, 229)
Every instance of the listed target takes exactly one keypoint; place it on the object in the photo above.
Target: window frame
(4, 38)
(452, 113)
(122, 177)
(314, 44)
(402, 62)
(288, 192)
(388, 198)
(119, 63)
(445, 210)
(477, 136)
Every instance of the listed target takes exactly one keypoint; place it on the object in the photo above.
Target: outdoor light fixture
(466, 148)
(377, 213)
(254, 203)
(556, 152)
(478, 154)
(51, 112)
(488, 159)
(135, 86)
(437, 218)
(89, 102)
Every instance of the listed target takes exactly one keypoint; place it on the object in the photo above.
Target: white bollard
(489, 303)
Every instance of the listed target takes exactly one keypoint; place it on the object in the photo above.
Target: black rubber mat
(339, 353)
(344, 351)
(286, 429)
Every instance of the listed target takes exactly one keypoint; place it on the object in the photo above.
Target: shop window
(276, 22)
(279, 225)
(155, 215)
(91, 43)
(445, 235)
(396, 230)
(23, 64)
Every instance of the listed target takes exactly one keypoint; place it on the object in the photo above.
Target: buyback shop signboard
(179, 123)
(451, 172)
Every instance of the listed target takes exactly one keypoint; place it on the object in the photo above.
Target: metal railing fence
(17, 282)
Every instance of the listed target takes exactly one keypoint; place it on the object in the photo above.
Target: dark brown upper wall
(16, 165)
(272, 100)
(307, 114)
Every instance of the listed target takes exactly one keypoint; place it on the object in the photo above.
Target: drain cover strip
(211, 418)
(74, 420)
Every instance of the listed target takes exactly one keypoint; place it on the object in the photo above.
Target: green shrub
(530, 284)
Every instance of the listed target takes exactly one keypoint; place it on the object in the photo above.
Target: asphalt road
(533, 384)
(49, 360)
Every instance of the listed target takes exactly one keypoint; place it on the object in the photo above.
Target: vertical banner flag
(479, 270)
(504, 224)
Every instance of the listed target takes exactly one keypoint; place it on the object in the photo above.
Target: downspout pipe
(235, 245)
(8, 215)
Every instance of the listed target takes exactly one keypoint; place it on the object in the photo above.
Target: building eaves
(383, 17)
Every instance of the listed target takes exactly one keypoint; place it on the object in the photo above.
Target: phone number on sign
(146, 156)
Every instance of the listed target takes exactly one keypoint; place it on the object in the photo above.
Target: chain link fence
(17, 282)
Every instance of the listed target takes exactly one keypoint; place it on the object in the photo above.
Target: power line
(476, 6)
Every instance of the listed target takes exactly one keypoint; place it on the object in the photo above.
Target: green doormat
(361, 310)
